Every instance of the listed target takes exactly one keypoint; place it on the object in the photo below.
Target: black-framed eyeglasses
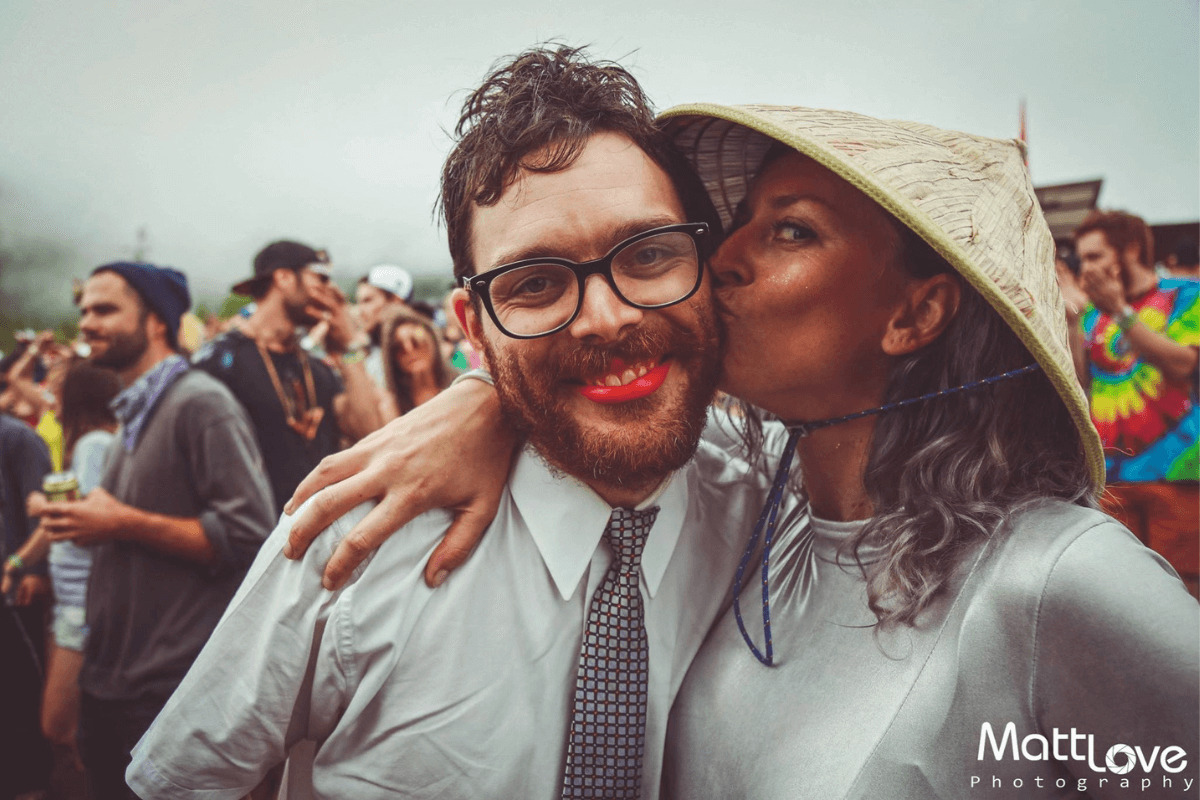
(540, 296)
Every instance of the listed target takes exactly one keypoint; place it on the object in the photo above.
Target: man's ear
(468, 317)
(285, 279)
(156, 328)
(927, 308)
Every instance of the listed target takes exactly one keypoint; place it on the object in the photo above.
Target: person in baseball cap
(283, 254)
(394, 280)
(301, 406)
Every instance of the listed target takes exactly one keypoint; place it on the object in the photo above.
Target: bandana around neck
(134, 406)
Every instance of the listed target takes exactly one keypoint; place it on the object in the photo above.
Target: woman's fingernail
(440, 577)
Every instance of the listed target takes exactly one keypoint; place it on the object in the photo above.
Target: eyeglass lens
(654, 271)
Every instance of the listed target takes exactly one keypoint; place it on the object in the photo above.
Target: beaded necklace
(304, 422)
(768, 519)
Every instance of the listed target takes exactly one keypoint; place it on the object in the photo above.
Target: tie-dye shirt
(1148, 425)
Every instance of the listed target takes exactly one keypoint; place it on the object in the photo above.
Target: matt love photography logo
(1140, 767)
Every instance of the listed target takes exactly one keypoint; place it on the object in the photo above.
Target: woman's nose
(728, 263)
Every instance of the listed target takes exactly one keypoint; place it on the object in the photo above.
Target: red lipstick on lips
(643, 386)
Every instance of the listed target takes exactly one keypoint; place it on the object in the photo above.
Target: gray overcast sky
(218, 125)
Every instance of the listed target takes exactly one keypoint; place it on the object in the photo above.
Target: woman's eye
(793, 232)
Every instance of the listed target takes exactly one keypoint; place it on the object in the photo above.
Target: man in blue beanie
(177, 519)
(162, 290)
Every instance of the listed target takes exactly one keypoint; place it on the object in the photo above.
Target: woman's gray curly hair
(944, 474)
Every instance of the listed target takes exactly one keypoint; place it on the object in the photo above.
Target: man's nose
(603, 316)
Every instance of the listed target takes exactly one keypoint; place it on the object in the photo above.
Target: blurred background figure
(1183, 261)
(24, 756)
(192, 333)
(299, 405)
(34, 382)
(414, 366)
(88, 424)
(180, 512)
(1140, 335)
(384, 287)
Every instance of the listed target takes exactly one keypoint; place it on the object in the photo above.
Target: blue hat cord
(769, 518)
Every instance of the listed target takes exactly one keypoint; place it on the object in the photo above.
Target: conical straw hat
(969, 197)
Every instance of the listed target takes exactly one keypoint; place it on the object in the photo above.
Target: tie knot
(627, 532)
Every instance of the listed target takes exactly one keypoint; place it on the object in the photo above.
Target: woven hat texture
(969, 197)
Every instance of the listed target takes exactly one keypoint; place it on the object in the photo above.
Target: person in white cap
(953, 608)
(383, 288)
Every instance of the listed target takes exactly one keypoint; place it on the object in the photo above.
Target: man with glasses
(548, 668)
(299, 407)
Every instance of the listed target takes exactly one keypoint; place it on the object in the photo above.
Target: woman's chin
(747, 386)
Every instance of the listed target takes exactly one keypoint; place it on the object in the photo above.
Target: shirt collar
(134, 405)
(567, 521)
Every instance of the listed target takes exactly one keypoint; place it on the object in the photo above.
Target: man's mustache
(642, 344)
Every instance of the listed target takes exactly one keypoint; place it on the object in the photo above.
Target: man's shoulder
(1184, 294)
(223, 354)
(15, 430)
(201, 398)
(405, 548)
(1188, 287)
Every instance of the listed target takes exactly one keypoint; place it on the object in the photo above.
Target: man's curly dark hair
(536, 111)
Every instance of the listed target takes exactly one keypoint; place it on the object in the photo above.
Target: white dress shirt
(464, 691)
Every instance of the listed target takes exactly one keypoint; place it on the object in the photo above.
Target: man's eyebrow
(555, 249)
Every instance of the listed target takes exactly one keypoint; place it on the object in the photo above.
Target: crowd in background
(312, 372)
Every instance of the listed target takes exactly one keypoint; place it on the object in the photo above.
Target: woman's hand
(453, 452)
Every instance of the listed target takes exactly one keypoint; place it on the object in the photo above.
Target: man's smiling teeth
(628, 376)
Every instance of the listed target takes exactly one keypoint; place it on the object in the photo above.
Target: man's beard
(296, 308)
(655, 439)
(124, 349)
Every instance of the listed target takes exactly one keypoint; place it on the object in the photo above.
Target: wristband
(474, 375)
(1125, 319)
(353, 357)
(16, 562)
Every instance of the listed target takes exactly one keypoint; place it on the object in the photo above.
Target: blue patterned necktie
(608, 726)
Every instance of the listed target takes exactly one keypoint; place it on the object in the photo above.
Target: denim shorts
(70, 628)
